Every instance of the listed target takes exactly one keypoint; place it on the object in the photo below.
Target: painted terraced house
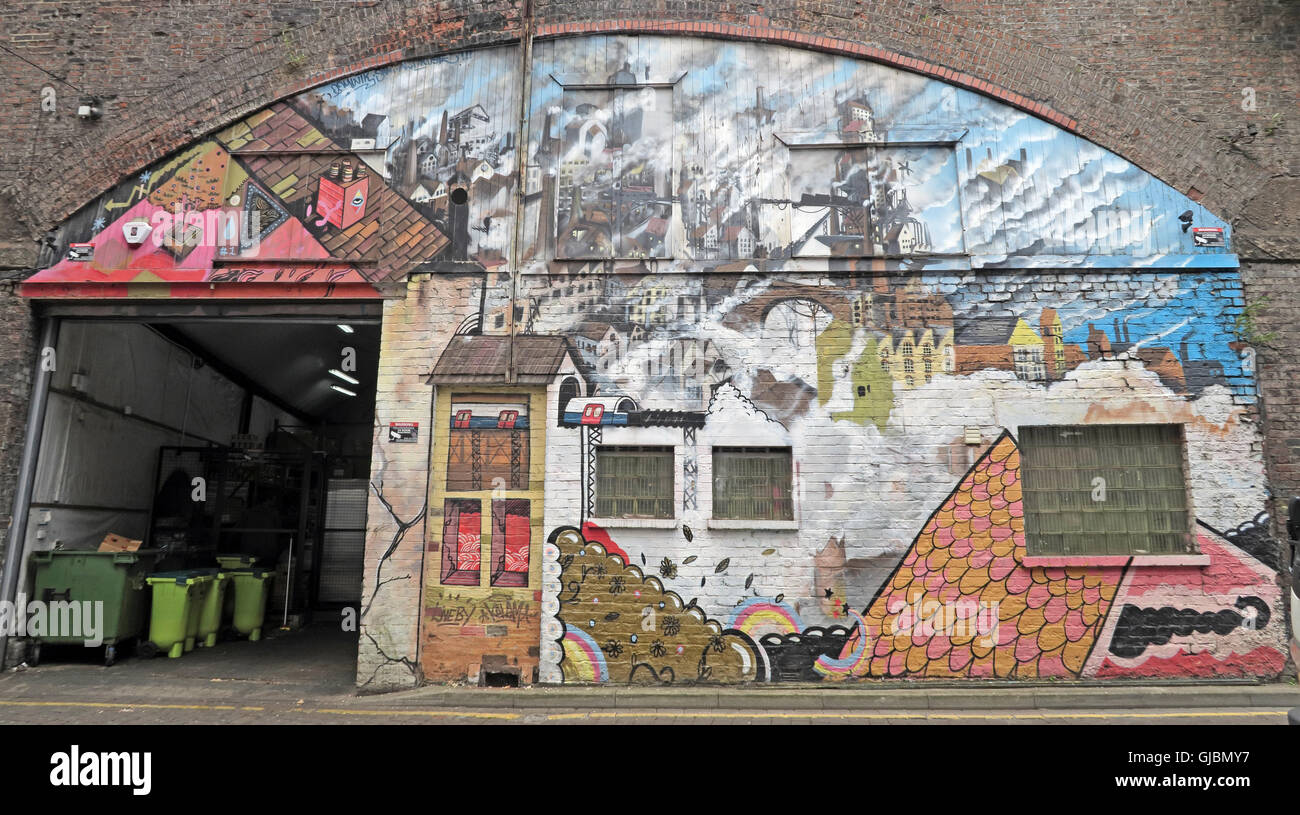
(700, 359)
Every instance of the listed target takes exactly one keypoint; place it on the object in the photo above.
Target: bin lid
(181, 576)
(251, 571)
(52, 553)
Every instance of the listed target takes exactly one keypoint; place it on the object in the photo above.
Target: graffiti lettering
(482, 611)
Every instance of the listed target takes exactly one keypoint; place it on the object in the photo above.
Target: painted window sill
(1116, 560)
(717, 523)
(635, 523)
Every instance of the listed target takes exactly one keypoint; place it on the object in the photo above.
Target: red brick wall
(1163, 89)
(17, 332)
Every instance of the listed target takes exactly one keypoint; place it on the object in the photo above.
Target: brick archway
(955, 48)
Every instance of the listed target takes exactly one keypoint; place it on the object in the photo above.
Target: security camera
(88, 110)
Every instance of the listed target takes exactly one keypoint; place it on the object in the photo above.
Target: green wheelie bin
(202, 589)
(177, 597)
(226, 562)
(211, 607)
(115, 579)
(251, 592)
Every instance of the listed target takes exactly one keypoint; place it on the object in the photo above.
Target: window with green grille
(634, 482)
(752, 483)
(1105, 490)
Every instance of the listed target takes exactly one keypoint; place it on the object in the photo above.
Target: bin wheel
(34, 657)
(110, 655)
(147, 650)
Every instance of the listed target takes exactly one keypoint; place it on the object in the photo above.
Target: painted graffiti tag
(457, 610)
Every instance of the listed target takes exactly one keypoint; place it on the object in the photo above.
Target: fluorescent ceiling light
(345, 377)
(342, 389)
(346, 329)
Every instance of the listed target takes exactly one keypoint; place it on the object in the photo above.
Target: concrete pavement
(881, 696)
(308, 677)
(83, 694)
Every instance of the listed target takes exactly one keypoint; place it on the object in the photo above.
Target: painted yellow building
(482, 566)
(913, 358)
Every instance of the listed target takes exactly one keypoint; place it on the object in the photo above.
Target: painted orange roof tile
(962, 604)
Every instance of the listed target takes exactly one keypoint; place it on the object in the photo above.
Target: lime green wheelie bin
(226, 562)
(251, 592)
(210, 608)
(202, 589)
(174, 619)
(115, 579)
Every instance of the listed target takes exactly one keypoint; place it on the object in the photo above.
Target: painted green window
(752, 483)
(1105, 490)
(634, 482)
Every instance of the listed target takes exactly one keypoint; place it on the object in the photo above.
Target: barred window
(1105, 490)
(634, 482)
(752, 483)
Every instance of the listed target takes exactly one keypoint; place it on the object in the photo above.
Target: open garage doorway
(197, 438)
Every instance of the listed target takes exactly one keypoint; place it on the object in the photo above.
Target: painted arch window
(1097, 490)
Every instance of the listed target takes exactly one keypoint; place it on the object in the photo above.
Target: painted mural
(339, 192)
(633, 629)
(785, 157)
(961, 602)
(670, 150)
(874, 277)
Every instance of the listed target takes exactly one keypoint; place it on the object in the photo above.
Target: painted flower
(672, 626)
(657, 649)
(614, 648)
(667, 569)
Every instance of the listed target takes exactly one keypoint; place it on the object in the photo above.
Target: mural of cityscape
(723, 247)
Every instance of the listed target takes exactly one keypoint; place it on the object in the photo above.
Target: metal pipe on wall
(27, 468)
(525, 79)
